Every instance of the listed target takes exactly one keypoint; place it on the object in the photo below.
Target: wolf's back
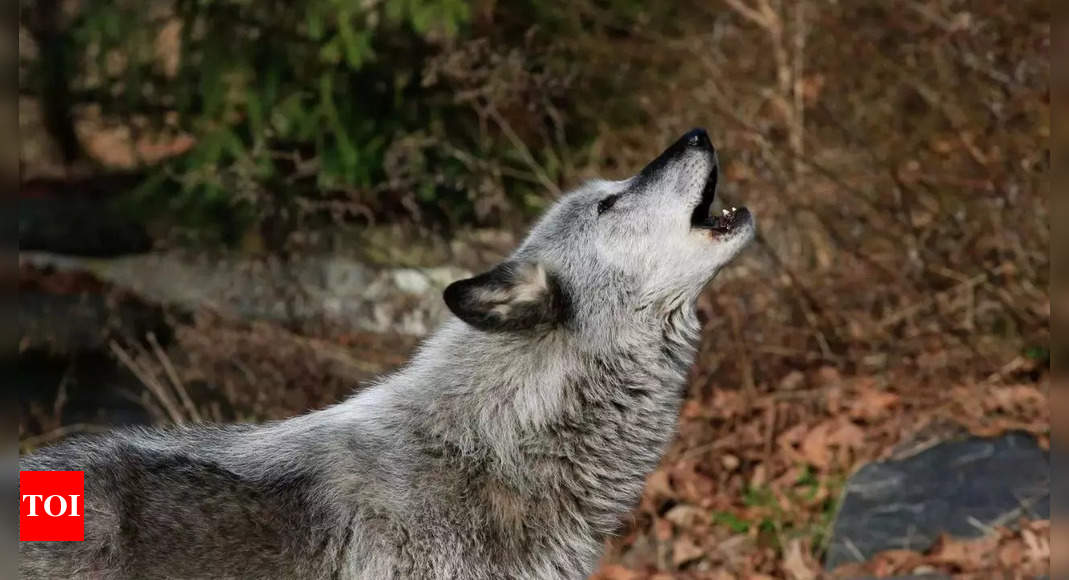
(168, 512)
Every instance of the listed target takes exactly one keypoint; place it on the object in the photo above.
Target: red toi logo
(51, 506)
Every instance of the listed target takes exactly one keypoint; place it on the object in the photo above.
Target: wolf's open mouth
(723, 223)
(700, 218)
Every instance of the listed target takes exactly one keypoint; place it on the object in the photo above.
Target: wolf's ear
(512, 296)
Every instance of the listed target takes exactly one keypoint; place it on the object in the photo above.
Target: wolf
(512, 445)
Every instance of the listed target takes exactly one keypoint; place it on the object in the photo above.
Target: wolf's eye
(607, 203)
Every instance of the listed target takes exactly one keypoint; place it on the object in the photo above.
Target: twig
(150, 383)
(748, 12)
(747, 360)
(770, 432)
(61, 396)
(179, 387)
(705, 447)
(472, 163)
(1017, 363)
(143, 398)
(902, 314)
(798, 122)
(518, 143)
(806, 302)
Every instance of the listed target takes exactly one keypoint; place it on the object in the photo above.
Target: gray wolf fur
(511, 446)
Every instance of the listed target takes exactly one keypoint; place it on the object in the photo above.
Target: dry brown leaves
(749, 488)
(989, 409)
(1003, 553)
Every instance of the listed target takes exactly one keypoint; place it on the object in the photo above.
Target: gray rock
(309, 293)
(962, 488)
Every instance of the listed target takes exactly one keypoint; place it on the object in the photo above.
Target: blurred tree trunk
(57, 66)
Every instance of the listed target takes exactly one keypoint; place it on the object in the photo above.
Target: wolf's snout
(693, 141)
(698, 139)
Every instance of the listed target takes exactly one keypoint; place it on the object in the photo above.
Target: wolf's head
(613, 250)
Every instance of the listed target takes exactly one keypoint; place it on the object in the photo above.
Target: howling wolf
(511, 446)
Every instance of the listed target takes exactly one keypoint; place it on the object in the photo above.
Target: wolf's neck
(556, 424)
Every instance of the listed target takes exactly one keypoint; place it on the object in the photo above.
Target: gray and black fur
(510, 446)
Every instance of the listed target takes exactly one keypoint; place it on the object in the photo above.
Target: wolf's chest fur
(521, 488)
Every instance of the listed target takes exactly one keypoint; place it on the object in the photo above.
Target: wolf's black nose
(698, 138)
